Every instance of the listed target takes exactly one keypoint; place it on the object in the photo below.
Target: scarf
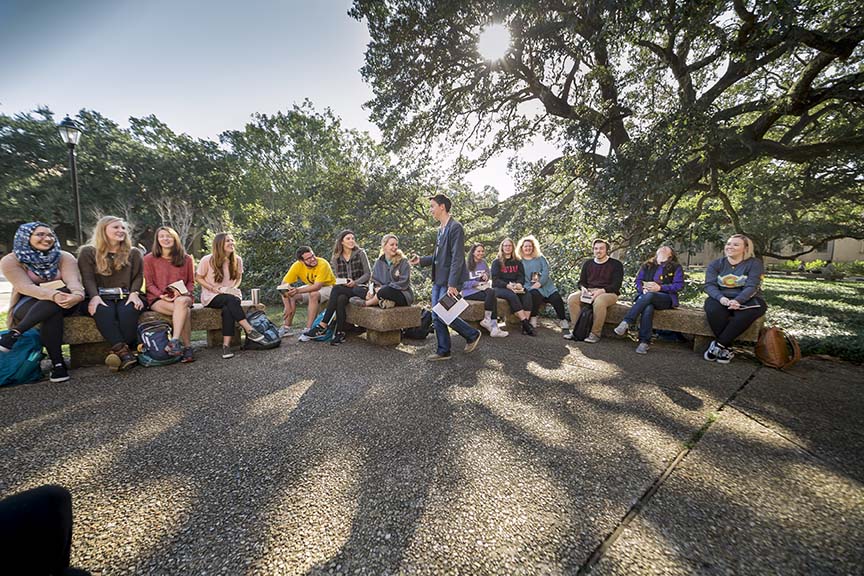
(44, 264)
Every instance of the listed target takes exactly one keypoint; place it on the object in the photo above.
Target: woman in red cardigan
(167, 264)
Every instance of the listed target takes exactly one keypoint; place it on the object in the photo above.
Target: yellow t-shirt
(320, 273)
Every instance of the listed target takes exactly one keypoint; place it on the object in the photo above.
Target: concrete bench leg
(701, 343)
(88, 354)
(214, 338)
(389, 338)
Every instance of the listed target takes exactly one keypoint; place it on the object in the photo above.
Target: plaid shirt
(357, 268)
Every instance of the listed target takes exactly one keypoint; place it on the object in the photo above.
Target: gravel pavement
(521, 458)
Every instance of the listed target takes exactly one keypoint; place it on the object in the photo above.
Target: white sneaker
(642, 348)
(621, 329)
(496, 332)
(286, 331)
(592, 338)
(564, 324)
(534, 322)
(488, 324)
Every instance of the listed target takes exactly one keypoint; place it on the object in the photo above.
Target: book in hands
(587, 297)
(282, 288)
(179, 287)
(449, 308)
(341, 281)
(53, 285)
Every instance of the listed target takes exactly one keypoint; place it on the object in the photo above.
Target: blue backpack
(262, 324)
(154, 336)
(22, 364)
(331, 328)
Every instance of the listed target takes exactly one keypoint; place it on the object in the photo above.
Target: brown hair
(219, 258)
(337, 247)
(178, 252)
(669, 265)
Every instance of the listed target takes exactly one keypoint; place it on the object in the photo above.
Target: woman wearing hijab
(46, 287)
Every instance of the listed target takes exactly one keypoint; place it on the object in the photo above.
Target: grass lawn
(827, 317)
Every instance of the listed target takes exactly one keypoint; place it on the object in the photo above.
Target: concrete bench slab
(685, 319)
(87, 347)
(384, 327)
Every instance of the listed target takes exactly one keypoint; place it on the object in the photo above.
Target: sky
(202, 67)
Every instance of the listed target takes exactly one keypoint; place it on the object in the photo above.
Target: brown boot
(127, 359)
(112, 360)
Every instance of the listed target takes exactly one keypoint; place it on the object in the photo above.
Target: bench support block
(389, 338)
(88, 354)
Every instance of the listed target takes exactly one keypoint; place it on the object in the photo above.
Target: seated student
(539, 279)
(600, 281)
(657, 284)
(508, 278)
(112, 272)
(391, 277)
(318, 281)
(168, 263)
(733, 284)
(36, 259)
(352, 277)
(219, 275)
(478, 273)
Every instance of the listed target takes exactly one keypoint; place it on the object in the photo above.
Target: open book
(284, 287)
(53, 285)
(179, 287)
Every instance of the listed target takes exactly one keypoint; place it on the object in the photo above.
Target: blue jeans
(441, 331)
(645, 305)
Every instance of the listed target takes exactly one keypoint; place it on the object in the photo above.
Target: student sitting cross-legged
(352, 277)
(219, 275)
(318, 280)
(391, 277)
(165, 265)
(479, 287)
(658, 282)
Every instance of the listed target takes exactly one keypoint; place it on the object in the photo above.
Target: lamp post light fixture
(70, 132)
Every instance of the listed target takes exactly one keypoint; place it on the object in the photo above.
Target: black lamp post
(70, 132)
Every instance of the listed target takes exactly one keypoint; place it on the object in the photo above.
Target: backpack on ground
(582, 327)
(154, 334)
(772, 349)
(331, 328)
(422, 331)
(262, 324)
(21, 364)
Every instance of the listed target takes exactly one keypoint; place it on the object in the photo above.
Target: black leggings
(50, 315)
(538, 300)
(117, 321)
(388, 293)
(232, 311)
(728, 324)
(339, 297)
(36, 531)
(490, 301)
(518, 302)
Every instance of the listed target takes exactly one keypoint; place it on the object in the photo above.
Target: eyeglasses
(48, 235)
(310, 259)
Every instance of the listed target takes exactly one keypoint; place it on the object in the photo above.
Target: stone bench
(87, 347)
(685, 319)
(475, 312)
(384, 327)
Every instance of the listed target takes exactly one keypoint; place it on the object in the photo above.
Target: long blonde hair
(399, 254)
(217, 261)
(99, 240)
(501, 257)
(538, 253)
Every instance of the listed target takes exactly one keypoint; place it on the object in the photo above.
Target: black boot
(527, 329)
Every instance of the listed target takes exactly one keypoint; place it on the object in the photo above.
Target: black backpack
(582, 328)
(422, 331)
(262, 324)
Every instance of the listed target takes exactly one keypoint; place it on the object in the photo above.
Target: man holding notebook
(448, 275)
(318, 280)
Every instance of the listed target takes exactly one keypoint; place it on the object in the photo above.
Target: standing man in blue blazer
(448, 274)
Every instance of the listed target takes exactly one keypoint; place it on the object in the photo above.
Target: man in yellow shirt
(318, 280)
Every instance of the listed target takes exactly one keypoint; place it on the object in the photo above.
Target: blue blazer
(448, 260)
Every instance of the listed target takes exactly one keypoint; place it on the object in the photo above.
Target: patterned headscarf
(45, 264)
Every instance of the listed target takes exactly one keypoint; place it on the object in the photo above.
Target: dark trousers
(117, 321)
(388, 293)
(728, 324)
(645, 305)
(32, 312)
(232, 311)
(490, 301)
(518, 302)
(339, 297)
(36, 531)
(538, 300)
(442, 332)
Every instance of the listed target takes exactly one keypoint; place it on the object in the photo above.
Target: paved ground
(530, 456)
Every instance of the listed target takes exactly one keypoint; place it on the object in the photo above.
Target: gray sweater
(398, 277)
(740, 282)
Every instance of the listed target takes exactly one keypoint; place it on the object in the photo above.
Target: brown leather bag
(772, 349)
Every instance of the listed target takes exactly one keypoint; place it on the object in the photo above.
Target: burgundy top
(159, 273)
